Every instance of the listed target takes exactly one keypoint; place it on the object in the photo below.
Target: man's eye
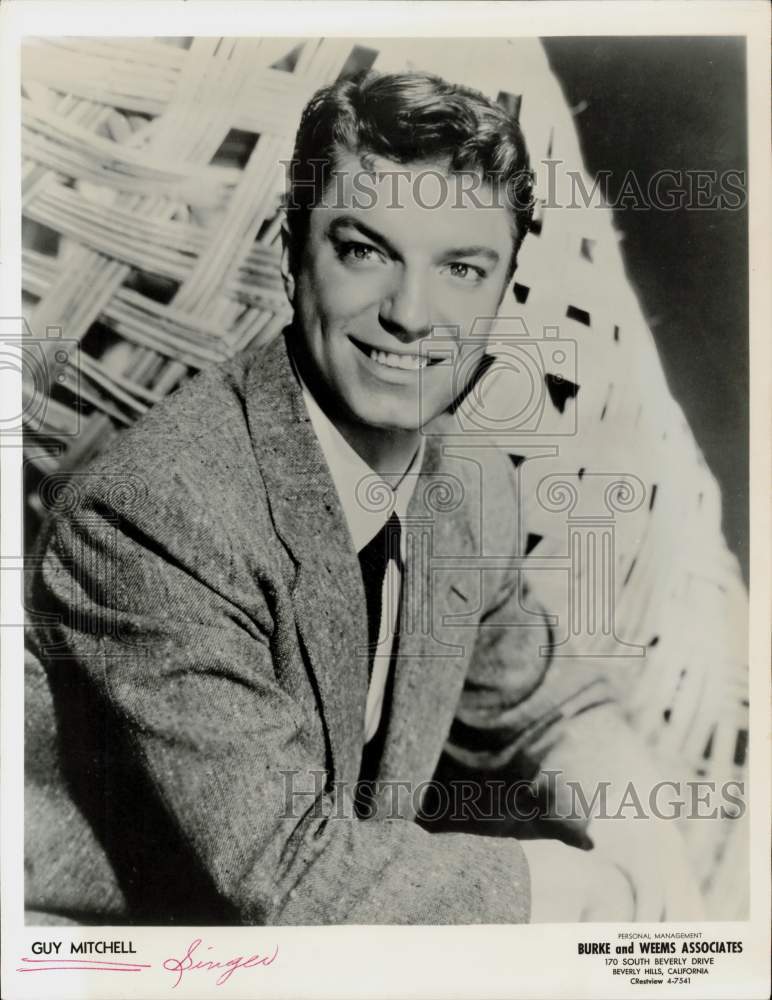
(466, 272)
(359, 253)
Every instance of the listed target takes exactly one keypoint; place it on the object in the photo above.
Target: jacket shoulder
(188, 467)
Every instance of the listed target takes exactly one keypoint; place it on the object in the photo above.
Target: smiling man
(279, 628)
(369, 285)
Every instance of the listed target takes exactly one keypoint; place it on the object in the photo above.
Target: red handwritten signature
(187, 963)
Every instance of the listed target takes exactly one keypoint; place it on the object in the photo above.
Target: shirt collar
(367, 498)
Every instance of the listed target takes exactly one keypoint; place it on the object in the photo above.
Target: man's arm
(190, 690)
(556, 724)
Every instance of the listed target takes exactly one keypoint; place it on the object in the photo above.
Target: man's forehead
(389, 194)
(366, 171)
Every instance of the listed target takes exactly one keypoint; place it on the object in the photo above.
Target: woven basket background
(151, 184)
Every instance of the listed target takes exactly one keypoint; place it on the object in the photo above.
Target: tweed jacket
(196, 697)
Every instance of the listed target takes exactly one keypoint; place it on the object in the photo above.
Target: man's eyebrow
(475, 250)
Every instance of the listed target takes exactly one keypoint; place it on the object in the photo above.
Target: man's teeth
(408, 361)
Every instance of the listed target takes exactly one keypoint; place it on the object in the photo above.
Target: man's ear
(286, 263)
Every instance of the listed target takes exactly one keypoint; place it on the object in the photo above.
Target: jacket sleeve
(190, 702)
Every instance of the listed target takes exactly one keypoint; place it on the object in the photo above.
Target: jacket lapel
(327, 591)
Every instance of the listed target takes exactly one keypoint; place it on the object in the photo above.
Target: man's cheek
(340, 291)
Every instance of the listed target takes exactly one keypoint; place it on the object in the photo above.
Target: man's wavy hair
(408, 118)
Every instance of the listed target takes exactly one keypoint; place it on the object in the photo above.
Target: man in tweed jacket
(206, 654)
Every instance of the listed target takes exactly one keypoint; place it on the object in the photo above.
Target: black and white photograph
(386, 515)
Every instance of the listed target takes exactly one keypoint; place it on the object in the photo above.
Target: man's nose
(404, 310)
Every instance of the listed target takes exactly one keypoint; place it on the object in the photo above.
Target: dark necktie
(373, 560)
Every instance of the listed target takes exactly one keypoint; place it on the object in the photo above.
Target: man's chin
(390, 424)
(390, 415)
(405, 419)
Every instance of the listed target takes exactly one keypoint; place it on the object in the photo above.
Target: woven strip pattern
(151, 185)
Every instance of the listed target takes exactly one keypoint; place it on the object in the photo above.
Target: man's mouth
(389, 359)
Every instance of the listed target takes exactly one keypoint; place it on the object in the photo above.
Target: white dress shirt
(368, 501)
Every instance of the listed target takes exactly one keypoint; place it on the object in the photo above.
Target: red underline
(82, 968)
(94, 964)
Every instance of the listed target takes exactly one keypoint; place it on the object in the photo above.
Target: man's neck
(387, 452)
